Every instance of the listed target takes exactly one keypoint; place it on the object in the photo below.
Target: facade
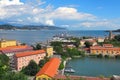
(22, 59)
(49, 51)
(71, 46)
(49, 70)
(6, 43)
(100, 39)
(106, 49)
(93, 41)
(12, 50)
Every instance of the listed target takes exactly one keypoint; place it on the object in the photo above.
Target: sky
(71, 14)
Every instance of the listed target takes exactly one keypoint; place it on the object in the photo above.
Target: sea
(33, 36)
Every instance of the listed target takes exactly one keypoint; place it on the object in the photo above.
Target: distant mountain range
(118, 30)
(29, 27)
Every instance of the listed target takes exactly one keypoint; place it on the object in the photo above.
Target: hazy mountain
(29, 27)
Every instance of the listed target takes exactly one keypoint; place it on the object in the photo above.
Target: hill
(29, 27)
(118, 30)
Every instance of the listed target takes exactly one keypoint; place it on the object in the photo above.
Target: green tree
(117, 37)
(57, 46)
(13, 76)
(61, 65)
(38, 46)
(31, 69)
(4, 64)
(88, 44)
(77, 42)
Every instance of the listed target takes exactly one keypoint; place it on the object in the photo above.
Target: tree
(61, 65)
(43, 61)
(57, 47)
(117, 37)
(88, 44)
(38, 46)
(13, 76)
(31, 69)
(4, 64)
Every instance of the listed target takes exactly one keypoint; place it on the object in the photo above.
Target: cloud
(50, 22)
(71, 14)
(10, 2)
(17, 12)
(100, 24)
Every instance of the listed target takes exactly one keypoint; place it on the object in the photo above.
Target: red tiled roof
(22, 54)
(50, 68)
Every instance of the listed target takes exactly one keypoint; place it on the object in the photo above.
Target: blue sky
(71, 14)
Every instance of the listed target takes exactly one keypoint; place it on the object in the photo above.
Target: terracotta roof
(50, 68)
(22, 54)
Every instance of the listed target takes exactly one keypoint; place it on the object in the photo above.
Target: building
(115, 77)
(11, 50)
(49, 70)
(93, 41)
(5, 43)
(74, 77)
(100, 39)
(106, 49)
(22, 59)
(71, 46)
(111, 35)
(49, 50)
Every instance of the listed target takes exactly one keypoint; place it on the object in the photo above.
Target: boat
(69, 70)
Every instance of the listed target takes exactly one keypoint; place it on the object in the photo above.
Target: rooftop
(50, 68)
(28, 53)
(74, 77)
(16, 49)
(3, 40)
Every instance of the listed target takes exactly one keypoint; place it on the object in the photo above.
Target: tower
(110, 35)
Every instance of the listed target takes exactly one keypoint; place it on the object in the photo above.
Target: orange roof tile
(14, 47)
(50, 68)
(22, 54)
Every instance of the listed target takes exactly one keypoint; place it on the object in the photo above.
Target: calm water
(95, 67)
(36, 36)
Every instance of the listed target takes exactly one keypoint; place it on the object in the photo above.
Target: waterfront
(95, 66)
(84, 66)
(30, 37)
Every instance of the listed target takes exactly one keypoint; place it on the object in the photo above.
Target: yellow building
(49, 70)
(106, 49)
(49, 51)
(6, 43)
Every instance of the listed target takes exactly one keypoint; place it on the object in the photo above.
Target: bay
(95, 67)
(31, 37)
